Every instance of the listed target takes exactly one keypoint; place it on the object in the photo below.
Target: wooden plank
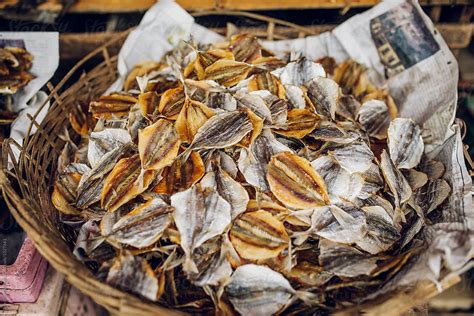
(122, 6)
(77, 45)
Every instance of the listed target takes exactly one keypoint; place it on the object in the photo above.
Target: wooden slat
(118, 6)
(77, 45)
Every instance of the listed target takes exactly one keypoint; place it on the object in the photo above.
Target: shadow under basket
(28, 185)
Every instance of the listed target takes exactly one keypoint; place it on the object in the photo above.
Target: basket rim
(76, 273)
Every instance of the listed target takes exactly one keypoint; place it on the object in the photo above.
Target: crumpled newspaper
(401, 46)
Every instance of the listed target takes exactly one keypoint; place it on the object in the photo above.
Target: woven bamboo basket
(27, 186)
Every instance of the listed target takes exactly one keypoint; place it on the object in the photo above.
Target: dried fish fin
(258, 290)
(199, 215)
(158, 145)
(258, 235)
(295, 183)
(405, 143)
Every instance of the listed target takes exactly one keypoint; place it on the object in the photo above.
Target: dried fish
(148, 102)
(397, 183)
(300, 72)
(354, 157)
(324, 94)
(373, 115)
(192, 116)
(199, 215)
(430, 196)
(133, 273)
(213, 266)
(207, 58)
(258, 290)
(255, 103)
(245, 47)
(140, 70)
(122, 183)
(105, 141)
(143, 226)
(91, 184)
(114, 106)
(227, 72)
(296, 96)
(405, 143)
(171, 103)
(416, 179)
(223, 130)
(295, 183)
(136, 121)
(232, 191)
(158, 145)
(300, 122)
(267, 81)
(348, 107)
(65, 188)
(181, 175)
(253, 162)
(258, 235)
(433, 169)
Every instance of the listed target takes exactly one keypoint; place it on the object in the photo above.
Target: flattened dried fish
(232, 191)
(258, 235)
(114, 106)
(227, 72)
(253, 162)
(158, 145)
(397, 183)
(133, 273)
(375, 118)
(300, 72)
(148, 102)
(192, 116)
(143, 226)
(92, 182)
(295, 183)
(382, 231)
(136, 121)
(405, 143)
(65, 188)
(324, 94)
(223, 130)
(207, 58)
(255, 103)
(267, 81)
(121, 185)
(354, 157)
(258, 290)
(416, 179)
(171, 103)
(340, 183)
(245, 47)
(213, 265)
(296, 96)
(430, 196)
(103, 142)
(433, 169)
(199, 215)
(300, 122)
(348, 107)
(181, 175)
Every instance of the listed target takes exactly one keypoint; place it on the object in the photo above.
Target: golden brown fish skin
(227, 72)
(258, 235)
(181, 175)
(140, 70)
(300, 122)
(158, 145)
(192, 116)
(171, 103)
(64, 193)
(148, 103)
(207, 58)
(267, 81)
(245, 48)
(114, 106)
(257, 124)
(295, 183)
(121, 185)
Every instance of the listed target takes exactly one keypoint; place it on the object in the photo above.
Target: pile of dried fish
(14, 65)
(225, 179)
